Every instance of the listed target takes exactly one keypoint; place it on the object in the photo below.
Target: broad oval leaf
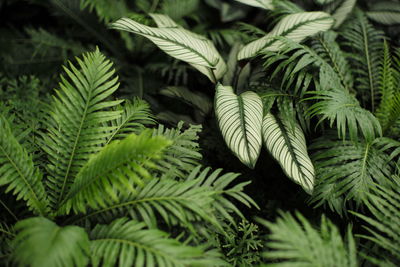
(179, 43)
(288, 146)
(265, 4)
(240, 120)
(296, 27)
(387, 13)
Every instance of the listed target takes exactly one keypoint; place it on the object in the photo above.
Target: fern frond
(106, 11)
(76, 120)
(365, 42)
(40, 242)
(326, 47)
(388, 111)
(18, 173)
(134, 117)
(183, 153)
(176, 202)
(384, 229)
(347, 169)
(340, 106)
(129, 243)
(295, 242)
(119, 166)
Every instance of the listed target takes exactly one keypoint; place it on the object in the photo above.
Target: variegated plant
(240, 117)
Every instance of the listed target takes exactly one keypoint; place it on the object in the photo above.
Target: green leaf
(383, 230)
(119, 166)
(18, 172)
(340, 106)
(288, 147)
(127, 243)
(77, 121)
(366, 44)
(296, 27)
(265, 4)
(323, 2)
(135, 115)
(295, 242)
(386, 12)
(240, 120)
(179, 43)
(348, 169)
(42, 243)
(340, 10)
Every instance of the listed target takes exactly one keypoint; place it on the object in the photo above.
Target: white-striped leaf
(296, 27)
(265, 4)
(340, 11)
(240, 120)
(288, 146)
(387, 13)
(179, 43)
(323, 2)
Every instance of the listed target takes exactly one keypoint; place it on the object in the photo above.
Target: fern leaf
(176, 202)
(128, 243)
(326, 47)
(385, 12)
(349, 168)
(119, 166)
(18, 173)
(295, 242)
(182, 203)
(384, 204)
(366, 44)
(135, 115)
(76, 121)
(388, 111)
(340, 106)
(40, 242)
(296, 27)
(240, 119)
(289, 148)
(183, 154)
(264, 4)
(180, 44)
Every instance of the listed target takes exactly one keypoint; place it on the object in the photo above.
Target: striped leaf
(387, 12)
(296, 27)
(265, 4)
(340, 10)
(179, 43)
(240, 120)
(323, 2)
(288, 146)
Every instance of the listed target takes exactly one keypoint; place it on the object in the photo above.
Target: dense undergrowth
(199, 133)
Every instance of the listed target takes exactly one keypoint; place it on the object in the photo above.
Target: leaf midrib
(83, 119)
(38, 202)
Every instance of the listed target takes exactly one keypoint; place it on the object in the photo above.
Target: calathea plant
(99, 188)
(244, 121)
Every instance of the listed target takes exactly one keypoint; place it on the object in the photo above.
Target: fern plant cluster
(89, 178)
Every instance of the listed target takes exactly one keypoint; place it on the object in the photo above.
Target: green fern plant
(107, 189)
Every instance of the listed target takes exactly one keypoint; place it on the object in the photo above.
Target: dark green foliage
(85, 181)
